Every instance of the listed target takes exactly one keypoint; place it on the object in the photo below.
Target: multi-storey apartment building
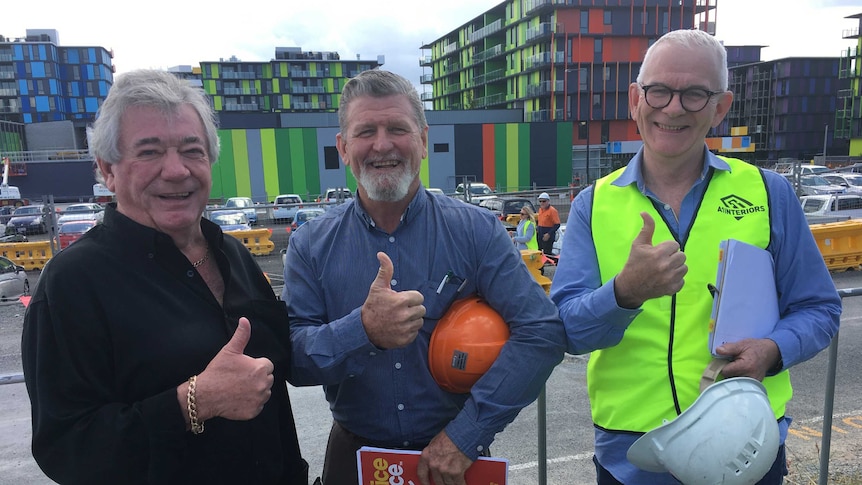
(782, 108)
(40, 80)
(294, 81)
(848, 116)
(557, 60)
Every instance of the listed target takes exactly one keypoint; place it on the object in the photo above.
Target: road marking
(852, 419)
(562, 459)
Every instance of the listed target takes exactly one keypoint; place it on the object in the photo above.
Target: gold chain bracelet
(197, 428)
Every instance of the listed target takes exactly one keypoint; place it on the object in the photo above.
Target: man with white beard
(367, 282)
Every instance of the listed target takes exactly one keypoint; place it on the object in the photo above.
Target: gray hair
(151, 88)
(693, 39)
(378, 83)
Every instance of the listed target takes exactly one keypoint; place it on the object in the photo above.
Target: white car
(852, 182)
(13, 280)
(82, 212)
(285, 207)
(477, 192)
(558, 243)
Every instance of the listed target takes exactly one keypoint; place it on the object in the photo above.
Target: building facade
(781, 109)
(848, 117)
(40, 80)
(294, 81)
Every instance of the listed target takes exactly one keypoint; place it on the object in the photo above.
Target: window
(441, 148)
(607, 17)
(585, 21)
(330, 158)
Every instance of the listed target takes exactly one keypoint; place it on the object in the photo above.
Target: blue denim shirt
(809, 304)
(389, 396)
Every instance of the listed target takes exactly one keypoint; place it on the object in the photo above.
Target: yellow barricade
(840, 243)
(257, 240)
(30, 255)
(534, 261)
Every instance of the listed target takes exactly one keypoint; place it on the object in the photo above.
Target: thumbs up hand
(233, 385)
(391, 318)
(650, 271)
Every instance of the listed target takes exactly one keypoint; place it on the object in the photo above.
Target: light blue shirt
(808, 302)
(389, 396)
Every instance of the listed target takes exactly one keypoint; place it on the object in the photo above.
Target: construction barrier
(840, 243)
(30, 255)
(535, 260)
(256, 240)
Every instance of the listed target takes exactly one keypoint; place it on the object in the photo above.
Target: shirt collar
(632, 173)
(149, 239)
(413, 209)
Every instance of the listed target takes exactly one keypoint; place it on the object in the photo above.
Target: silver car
(13, 280)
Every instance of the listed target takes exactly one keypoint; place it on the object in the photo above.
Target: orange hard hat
(464, 344)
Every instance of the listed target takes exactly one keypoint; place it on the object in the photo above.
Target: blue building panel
(42, 104)
(37, 69)
(91, 104)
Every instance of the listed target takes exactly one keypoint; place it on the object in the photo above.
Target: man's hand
(651, 271)
(392, 319)
(442, 461)
(750, 357)
(546, 236)
(233, 385)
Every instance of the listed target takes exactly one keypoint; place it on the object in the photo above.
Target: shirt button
(667, 207)
(372, 353)
(151, 255)
(393, 282)
(392, 239)
(480, 448)
(401, 407)
(406, 443)
(190, 274)
(398, 365)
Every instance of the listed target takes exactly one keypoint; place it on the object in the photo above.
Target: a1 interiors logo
(738, 207)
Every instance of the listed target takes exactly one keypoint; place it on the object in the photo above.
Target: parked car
(231, 220)
(477, 193)
(558, 243)
(71, 231)
(13, 280)
(29, 219)
(815, 185)
(335, 196)
(852, 182)
(285, 207)
(82, 212)
(507, 208)
(244, 204)
(305, 215)
(832, 205)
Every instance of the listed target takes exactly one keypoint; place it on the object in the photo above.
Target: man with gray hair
(367, 282)
(154, 349)
(642, 245)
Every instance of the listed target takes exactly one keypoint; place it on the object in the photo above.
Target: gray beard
(384, 192)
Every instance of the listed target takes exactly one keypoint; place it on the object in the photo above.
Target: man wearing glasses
(548, 221)
(643, 244)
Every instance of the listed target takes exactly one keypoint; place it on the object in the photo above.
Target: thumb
(645, 236)
(240, 338)
(384, 274)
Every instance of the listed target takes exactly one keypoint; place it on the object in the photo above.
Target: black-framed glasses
(658, 96)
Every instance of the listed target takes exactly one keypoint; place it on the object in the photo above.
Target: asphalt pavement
(569, 432)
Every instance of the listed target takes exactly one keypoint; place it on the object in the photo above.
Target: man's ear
(107, 171)
(722, 107)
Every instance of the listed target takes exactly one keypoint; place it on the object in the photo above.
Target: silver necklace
(203, 259)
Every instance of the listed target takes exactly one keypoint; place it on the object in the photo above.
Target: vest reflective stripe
(533, 243)
(653, 373)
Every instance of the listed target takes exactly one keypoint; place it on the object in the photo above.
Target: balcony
(490, 100)
(242, 107)
(426, 78)
(237, 75)
(850, 33)
(485, 31)
(425, 61)
(488, 53)
(427, 96)
(536, 33)
(488, 77)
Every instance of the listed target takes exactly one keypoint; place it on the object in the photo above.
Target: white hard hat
(728, 436)
(545, 196)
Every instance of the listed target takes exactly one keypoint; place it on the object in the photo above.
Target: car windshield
(480, 190)
(814, 180)
(80, 208)
(307, 216)
(75, 227)
(237, 203)
(229, 218)
(27, 210)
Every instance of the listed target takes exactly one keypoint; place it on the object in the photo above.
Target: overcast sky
(165, 33)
